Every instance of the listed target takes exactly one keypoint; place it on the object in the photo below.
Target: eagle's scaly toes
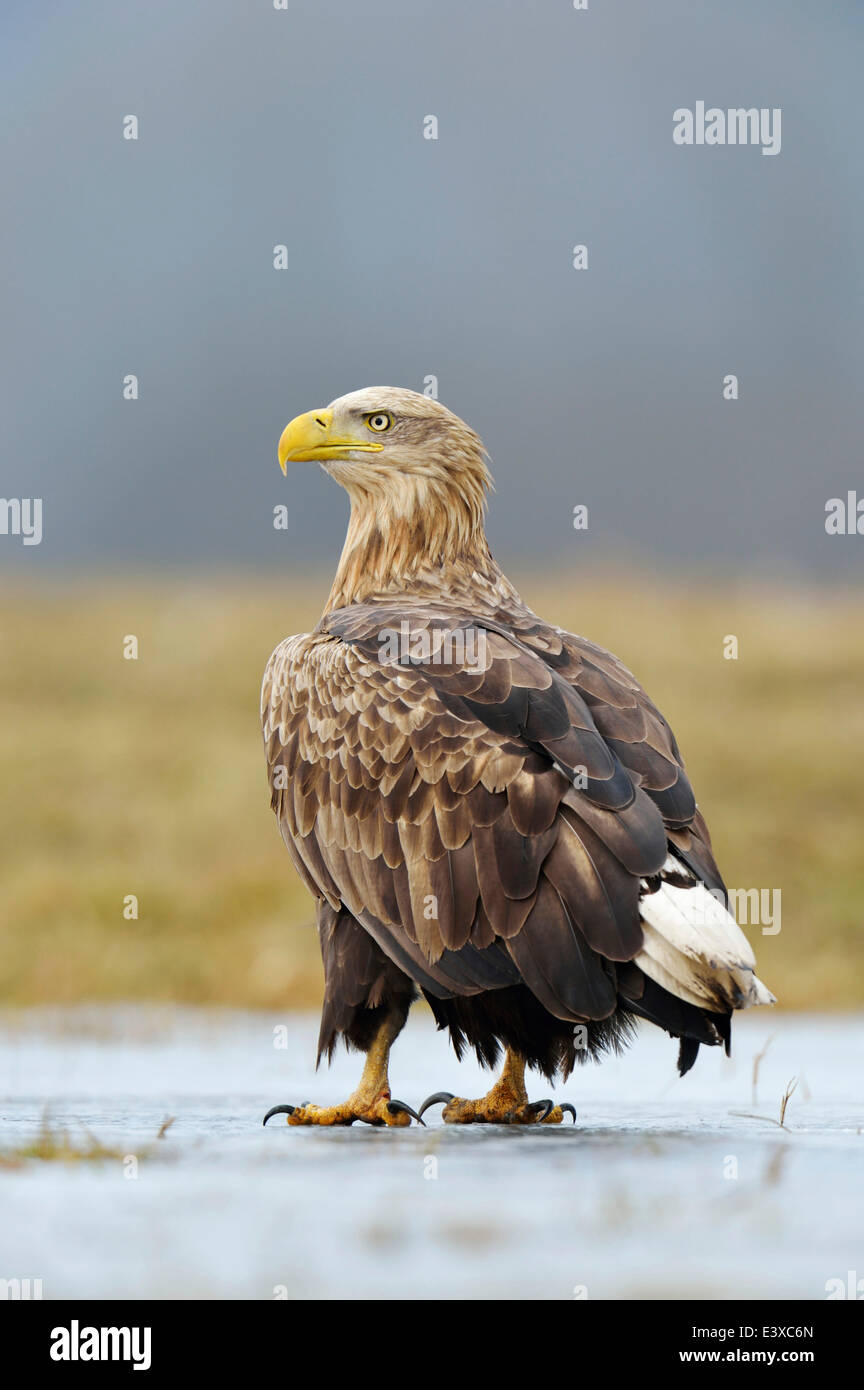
(382, 1111)
(497, 1110)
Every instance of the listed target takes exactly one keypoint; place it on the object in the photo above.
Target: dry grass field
(146, 777)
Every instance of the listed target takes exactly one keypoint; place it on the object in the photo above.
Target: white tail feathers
(695, 949)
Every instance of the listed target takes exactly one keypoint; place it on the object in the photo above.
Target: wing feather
(485, 821)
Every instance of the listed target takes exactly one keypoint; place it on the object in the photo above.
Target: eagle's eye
(379, 422)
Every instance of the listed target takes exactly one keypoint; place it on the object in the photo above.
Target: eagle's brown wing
(634, 730)
(487, 821)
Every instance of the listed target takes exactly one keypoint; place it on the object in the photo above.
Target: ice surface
(638, 1199)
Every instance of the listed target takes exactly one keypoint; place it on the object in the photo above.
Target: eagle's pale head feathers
(416, 477)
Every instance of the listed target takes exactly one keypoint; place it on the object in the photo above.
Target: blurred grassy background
(147, 777)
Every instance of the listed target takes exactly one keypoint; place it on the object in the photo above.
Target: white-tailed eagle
(487, 809)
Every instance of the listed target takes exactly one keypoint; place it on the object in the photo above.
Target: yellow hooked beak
(309, 438)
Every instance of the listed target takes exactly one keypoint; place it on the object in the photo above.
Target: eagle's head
(415, 474)
(372, 440)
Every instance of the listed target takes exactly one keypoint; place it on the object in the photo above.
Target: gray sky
(410, 257)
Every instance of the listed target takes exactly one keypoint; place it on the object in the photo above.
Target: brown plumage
(482, 803)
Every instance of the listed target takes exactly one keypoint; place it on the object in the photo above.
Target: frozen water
(664, 1188)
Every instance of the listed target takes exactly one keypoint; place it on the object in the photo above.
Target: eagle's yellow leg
(370, 1102)
(506, 1104)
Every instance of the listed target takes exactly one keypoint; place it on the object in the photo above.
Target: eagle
(489, 811)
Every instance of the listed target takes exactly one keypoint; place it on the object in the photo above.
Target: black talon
(279, 1110)
(397, 1107)
(567, 1106)
(439, 1098)
(544, 1106)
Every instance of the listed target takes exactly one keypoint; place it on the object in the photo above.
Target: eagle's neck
(425, 541)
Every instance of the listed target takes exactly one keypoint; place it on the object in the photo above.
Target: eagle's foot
(378, 1111)
(498, 1108)
(371, 1101)
(506, 1104)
